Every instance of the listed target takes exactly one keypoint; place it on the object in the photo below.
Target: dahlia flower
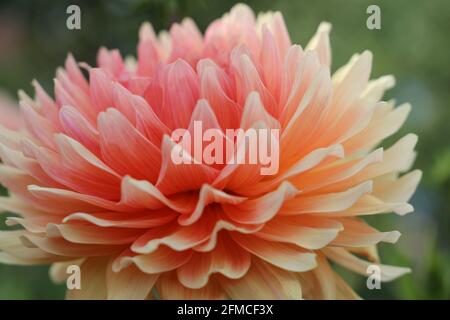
(91, 181)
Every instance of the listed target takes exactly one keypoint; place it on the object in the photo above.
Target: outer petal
(346, 259)
(169, 287)
(263, 282)
(93, 280)
(284, 256)
(305, 231)
(129, 284)
(227, 258)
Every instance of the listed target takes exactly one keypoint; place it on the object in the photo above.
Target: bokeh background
(413, 44)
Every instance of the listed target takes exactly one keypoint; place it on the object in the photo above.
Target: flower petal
(284, 256)
(262, 282)
(346, 259)
(227, 258)
(129, 283)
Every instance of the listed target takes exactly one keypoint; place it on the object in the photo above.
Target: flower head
(92, 181)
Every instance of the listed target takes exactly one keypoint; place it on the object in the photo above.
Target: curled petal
(346, 259)
(227, 259)
(284, 256)
(263, 281)
(161, 260)
(129, 283)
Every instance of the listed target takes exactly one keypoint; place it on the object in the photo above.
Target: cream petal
(17, 205)
(306, 163)
(380, 127)
(375, 88)
(93, 280)
(326, 278)
(129, 284)
(225, 223)
(399, 190)
(357, 233)
(313, 159)
(143, 194)
(208, 195)
(303, 76)
(320, 42)
(351, 80)
(306, 115)
(227, 258)
(262, 209)
(60, 246)
(15, 180)
(14, 251)
(58, 270)
(160, 260)
(285, 256)
(11, 138)
(322, 203)
(175, 236)
(170, 288)
(369, 204)
(291, 63)
(391, 160)
(360, 117)
(343, 290)
(339, 175)
(309, 232)
(275, 22)
(92, 234)
(37, 224)
(65, 201)
(9, 259)
(17, 159)
(347, 260)
(143, 220)
(262, 282)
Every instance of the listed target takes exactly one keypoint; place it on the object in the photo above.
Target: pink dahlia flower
(92, 183)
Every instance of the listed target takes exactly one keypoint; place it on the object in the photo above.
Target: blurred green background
(412, 45)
